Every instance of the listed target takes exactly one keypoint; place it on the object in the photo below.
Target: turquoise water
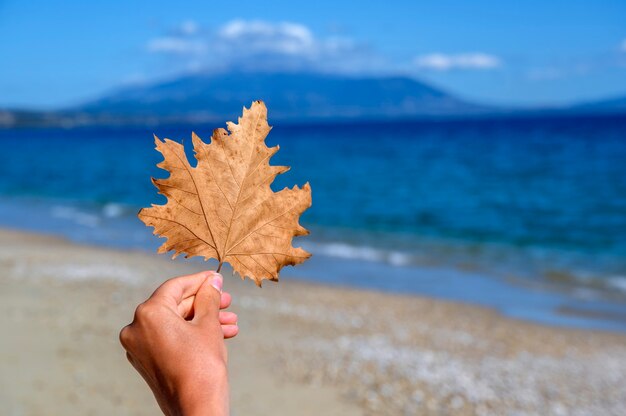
(538, 206)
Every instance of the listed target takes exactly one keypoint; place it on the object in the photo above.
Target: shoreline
(304, 348)
(568, 316)
(511, 294)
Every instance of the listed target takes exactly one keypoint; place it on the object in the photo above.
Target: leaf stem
(219, 267)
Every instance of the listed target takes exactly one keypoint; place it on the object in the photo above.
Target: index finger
(178, 288)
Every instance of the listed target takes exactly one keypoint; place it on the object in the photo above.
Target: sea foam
(366, 253)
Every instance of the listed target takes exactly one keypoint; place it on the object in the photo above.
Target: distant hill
(289, 96)
(292, 97)
(23, 118)
(614, 105)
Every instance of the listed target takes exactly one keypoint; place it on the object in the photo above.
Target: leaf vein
(261, 226)
(182, 225)
(206, 220)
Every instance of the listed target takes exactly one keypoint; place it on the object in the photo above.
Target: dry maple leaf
(224, 207)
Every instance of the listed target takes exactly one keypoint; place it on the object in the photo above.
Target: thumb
(207, 302)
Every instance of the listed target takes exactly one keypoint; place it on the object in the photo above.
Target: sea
(524, 215)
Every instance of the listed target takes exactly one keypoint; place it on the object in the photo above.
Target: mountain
(289, 96)
(612, 105)
(10, 118)
(292, 97)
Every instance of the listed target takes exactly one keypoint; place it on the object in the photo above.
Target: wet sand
(303, 349)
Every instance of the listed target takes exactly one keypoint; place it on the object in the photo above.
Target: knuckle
(147, 312)
(172, 282)
(169, 282)
(125, 336)
(143, 310)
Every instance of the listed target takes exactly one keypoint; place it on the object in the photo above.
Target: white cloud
(259, 36)
(176, 45)
(445, 62)
(264, 45)
(182, 39)
(189, 27)
(289, 46)
(288, 38)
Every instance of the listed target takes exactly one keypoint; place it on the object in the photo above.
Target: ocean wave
(114, 210)
(586, 280)
(90, 216)
(115, 223)
(365, 253)
(80, 217)
(617, 282)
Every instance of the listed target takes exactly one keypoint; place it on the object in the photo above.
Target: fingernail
(217, 282)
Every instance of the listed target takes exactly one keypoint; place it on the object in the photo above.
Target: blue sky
(522, 53)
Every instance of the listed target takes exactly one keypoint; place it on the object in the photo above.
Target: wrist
(207, 395)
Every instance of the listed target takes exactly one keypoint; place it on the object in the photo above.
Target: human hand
(176, 343)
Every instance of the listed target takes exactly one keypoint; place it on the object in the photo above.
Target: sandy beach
(303, 349)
